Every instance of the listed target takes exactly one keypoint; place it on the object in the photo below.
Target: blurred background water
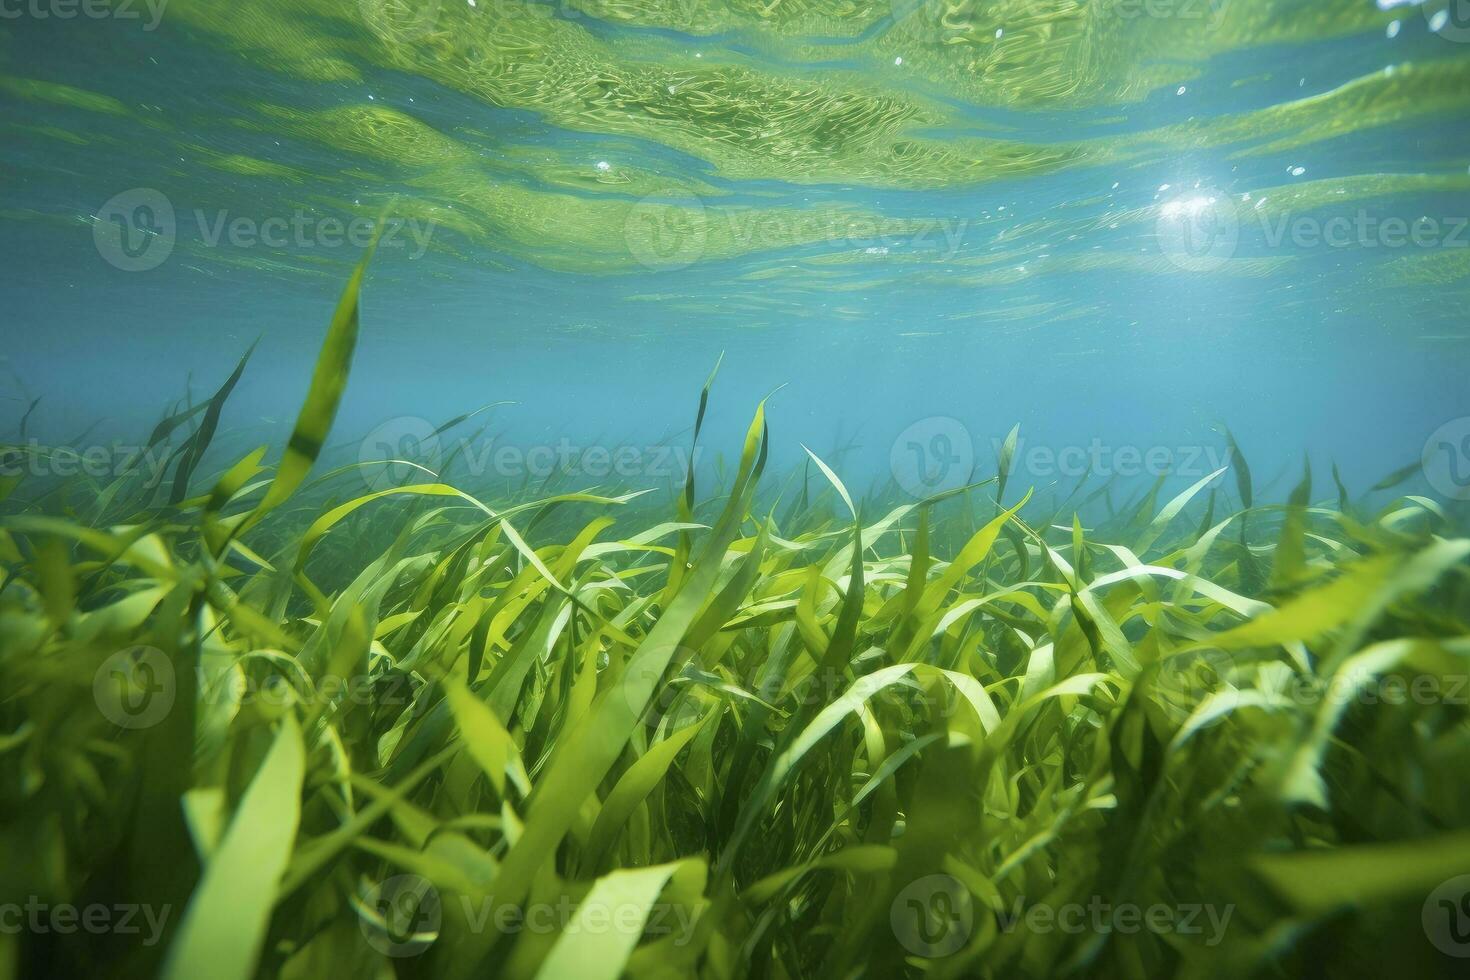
(1116, 223)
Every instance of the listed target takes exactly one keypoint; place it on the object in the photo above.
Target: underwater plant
(565, 732)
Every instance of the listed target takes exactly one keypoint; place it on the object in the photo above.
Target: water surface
(1118, 224)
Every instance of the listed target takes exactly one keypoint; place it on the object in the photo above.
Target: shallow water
(1118, 224)
(339, 634)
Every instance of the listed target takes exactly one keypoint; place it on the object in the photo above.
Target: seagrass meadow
(736, 731)
(734, 489)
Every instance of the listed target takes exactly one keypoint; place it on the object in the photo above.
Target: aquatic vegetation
(55, 93)
(712, 116)
(306, 715)
(758, 728)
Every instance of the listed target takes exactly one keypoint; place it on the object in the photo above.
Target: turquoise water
(344, 339)
(1117, 226)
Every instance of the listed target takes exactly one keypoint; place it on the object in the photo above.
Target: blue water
(1351, 353)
